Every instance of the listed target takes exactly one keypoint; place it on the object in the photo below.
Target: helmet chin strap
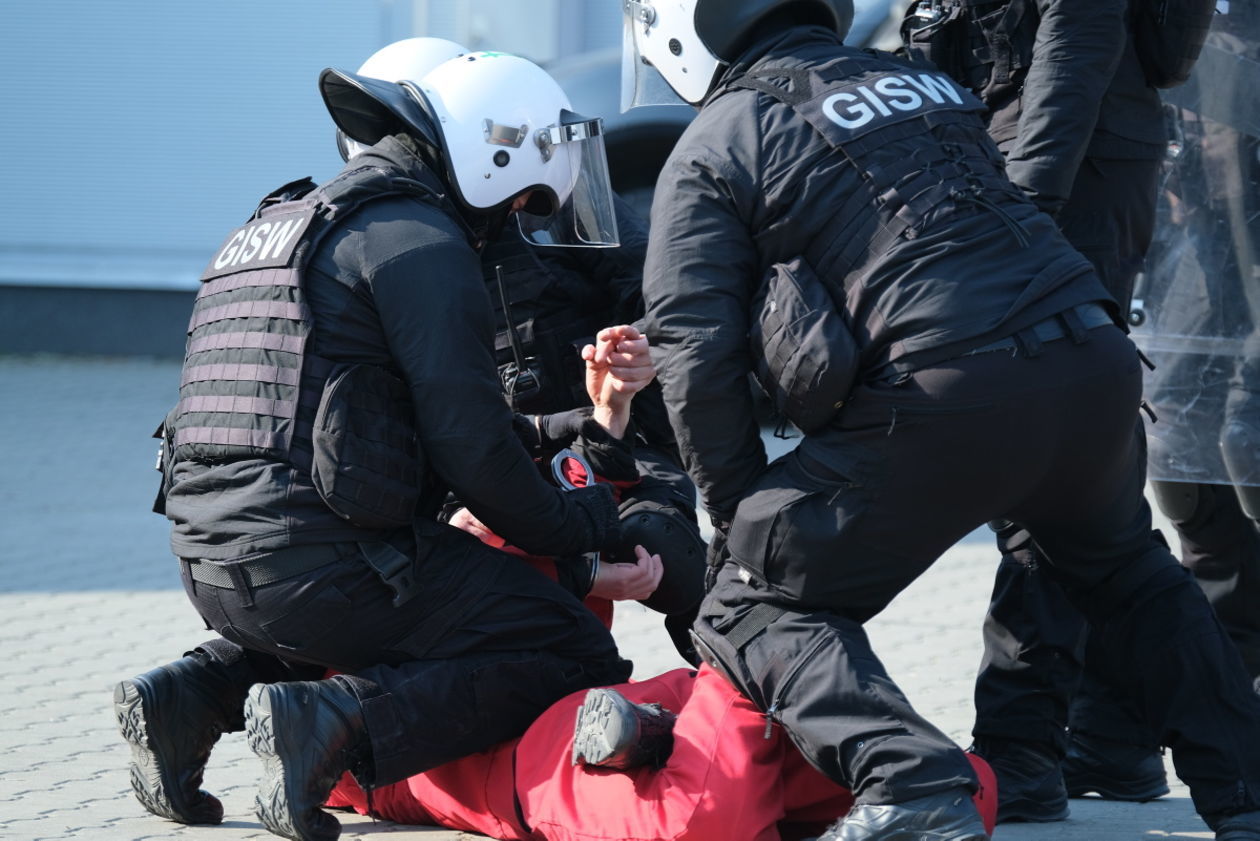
(485, 225)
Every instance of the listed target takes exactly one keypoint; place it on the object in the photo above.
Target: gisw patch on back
(264, 243)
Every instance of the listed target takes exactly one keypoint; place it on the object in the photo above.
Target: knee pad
(1177, 500)
(664, 530)
(1239, 442)
(1249, 500)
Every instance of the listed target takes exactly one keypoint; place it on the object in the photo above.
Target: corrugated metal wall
(136, 133)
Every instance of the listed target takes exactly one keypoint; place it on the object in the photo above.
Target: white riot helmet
(506, 128)
(677, 48)
(410, 58)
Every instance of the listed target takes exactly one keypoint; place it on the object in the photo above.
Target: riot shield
(1196, 307)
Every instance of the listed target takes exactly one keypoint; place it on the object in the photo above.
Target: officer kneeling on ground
(952, 361)
(340, 382)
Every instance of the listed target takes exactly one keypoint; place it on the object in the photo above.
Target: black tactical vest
(915, 137)
(250, 388)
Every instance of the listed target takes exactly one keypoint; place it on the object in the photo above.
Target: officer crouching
(339, 382)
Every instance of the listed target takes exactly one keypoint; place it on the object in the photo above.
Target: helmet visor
(585, 216)
(641, 83)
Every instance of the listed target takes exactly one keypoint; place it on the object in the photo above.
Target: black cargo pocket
(758, 527)
(785, 534)
(309, 620)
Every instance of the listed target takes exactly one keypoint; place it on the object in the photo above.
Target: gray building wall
(138, 132)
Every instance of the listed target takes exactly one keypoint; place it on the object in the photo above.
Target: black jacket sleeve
(1079, 45)
(438, 324)
(701, 268)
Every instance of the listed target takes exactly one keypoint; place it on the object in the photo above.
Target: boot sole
(591, 745)
(133, 705)
(272, 802)
(1109, 789)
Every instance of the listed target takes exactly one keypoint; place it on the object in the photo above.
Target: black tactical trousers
(1028, 681)
(833, 531)
(471, 661)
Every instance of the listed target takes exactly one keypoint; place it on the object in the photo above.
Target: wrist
(613, 419)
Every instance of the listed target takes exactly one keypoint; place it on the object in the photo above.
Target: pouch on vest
(1168, 36)
(165, 463)
(804, 356)
(366, 464)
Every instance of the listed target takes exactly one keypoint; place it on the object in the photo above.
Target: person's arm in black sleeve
(438, 322)
(698, 280)
(1078, 48)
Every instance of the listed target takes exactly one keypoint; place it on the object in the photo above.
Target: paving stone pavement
(89, 594)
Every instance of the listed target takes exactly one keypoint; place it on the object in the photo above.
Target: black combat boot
(1029, 780)
(307, 733)
(947, 816)
(612, 732)
(172, 716)
(1113, 770)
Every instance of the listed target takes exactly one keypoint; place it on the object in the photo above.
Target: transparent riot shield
(1196, 307)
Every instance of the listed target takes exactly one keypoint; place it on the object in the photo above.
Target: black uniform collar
(774, 43)
(400, 152)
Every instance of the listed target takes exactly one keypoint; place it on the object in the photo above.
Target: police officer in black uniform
(549, 302)
(1086, 146)
(991, 382)
(339, 382)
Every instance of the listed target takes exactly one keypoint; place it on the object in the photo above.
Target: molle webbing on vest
(883, 116)
(250, 388)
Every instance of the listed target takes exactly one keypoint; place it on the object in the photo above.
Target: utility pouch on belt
(165, 464)
(804, 356)
(366, 463)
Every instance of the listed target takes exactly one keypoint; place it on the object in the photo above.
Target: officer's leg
(478, 663)
(824, 541)
(1220, 544)
(477, 652)
(815, 673)
(1033, 641)
(1033, 636)
(1113, 751)
(1154, 630)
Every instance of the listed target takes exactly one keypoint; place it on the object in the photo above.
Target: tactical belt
(267, 568)
(1073, 322)
(395, 568)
